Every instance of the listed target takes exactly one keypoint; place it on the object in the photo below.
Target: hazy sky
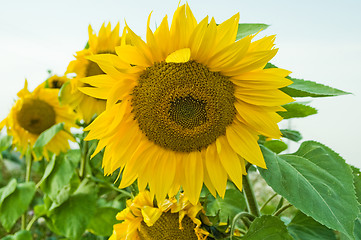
(317, 40)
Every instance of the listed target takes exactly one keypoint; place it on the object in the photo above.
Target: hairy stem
(250, 197)
(282, 209)
(28, 163)
(83, 160)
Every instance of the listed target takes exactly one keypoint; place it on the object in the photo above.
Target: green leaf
(297, 110)
(245, 29)
(5, 142)
(303, 227)
(291, 134)
(7, 190)
(357, 182)
(16, 204)
(357, 231)
(102, 222)
(227, 208)
(21, 235)
(49, 168)
(304, 88)
(276, 146)
(267, 228)
(60, 174)
(72, 217)
(45, 138)
(317, 181)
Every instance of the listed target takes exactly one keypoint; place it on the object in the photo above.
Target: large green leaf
(15, 204)
(227, 208)
(291, 134)
(102, 222)
(317, 181)
(72, 217)
(297, 110)
(304, 88)
(21, 235)
(7, 190)
(245, 29)
(59, 175)
(5, 142)
(303, 227)
(45, 138)
(267, 228)
(357, 182)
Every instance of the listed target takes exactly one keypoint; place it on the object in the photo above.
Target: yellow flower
(33, 113)
(55, 82)
(169, 220)
(105, 42)
(187, 106)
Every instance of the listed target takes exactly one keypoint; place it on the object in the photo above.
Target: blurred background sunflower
(32, 114)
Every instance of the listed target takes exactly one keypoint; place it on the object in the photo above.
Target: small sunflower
(187, 106)
(55, 81)
(35, 112)
(169, 220)
(105, 42)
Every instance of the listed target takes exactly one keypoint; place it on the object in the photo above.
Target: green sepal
(245, 29)
(297, 110)
(291, 135)
(276, 146)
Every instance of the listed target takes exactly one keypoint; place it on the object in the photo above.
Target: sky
(317, 40)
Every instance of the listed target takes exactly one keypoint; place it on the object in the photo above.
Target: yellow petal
(179, 56)
(244, 143)
(150, 215)
(230, 161)
(193, 167)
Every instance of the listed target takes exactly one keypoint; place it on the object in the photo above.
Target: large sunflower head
(105, 42)
(186, 106)
(33, 113)
(168, 220)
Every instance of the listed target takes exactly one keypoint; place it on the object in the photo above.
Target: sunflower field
(175, 136)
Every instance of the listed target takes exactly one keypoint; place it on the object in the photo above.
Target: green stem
(250, 197)
(84, 159)
(282, 209)
(265, 204)
(245, 217)
(31, 222)
(28, 163)
(111, 186)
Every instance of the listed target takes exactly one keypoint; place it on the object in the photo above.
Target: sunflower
(55, 81)
(187, 106)
(105, 42)
(35, 112)
(171, 219)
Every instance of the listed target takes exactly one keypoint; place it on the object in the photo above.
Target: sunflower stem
(282, 209)
(270, 199)
(83, 160)
(250, 197)
(28, 163)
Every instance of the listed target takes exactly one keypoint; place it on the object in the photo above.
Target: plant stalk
(250, 197)
(28, 163)
(84, 159)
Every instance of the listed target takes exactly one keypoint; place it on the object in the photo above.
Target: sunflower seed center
(36, 116)
(183, 106)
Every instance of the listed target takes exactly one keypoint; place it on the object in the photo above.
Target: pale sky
(317, 40)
